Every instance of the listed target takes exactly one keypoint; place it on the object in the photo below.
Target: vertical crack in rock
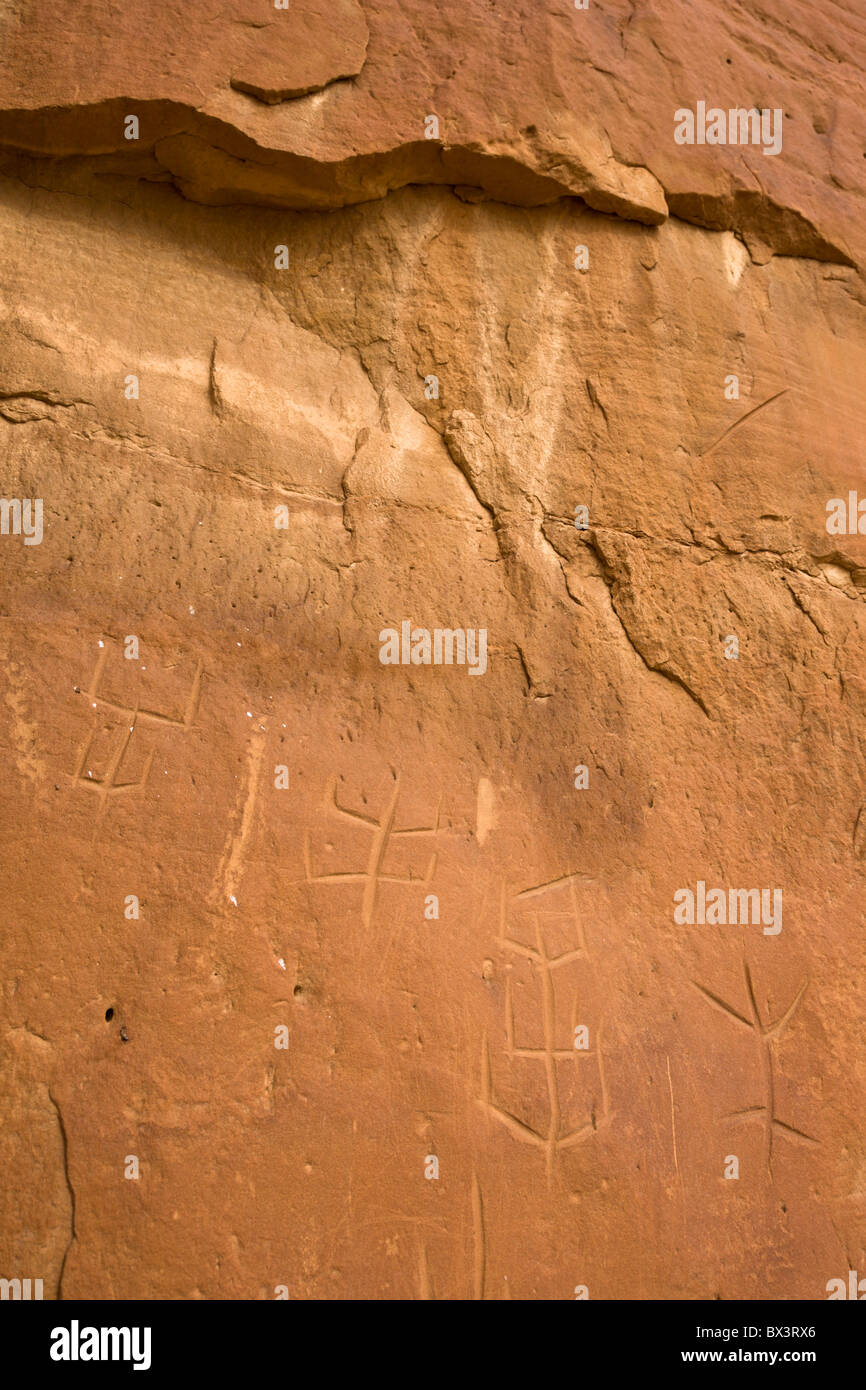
(64, 1139)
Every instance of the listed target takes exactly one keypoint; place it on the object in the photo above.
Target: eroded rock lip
(585, 98)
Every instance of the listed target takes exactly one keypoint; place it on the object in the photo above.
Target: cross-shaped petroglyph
(765, 1034)
(383, 833)
(549, 1055)
(132, 717)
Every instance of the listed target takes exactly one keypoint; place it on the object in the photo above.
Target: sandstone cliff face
(286, 373)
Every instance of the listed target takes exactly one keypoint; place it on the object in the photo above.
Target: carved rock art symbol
(765, 1035)
(548, 1055)
(383, 833)
(111, 783)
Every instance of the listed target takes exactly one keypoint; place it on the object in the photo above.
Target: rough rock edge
(210, 161)
(275, 96)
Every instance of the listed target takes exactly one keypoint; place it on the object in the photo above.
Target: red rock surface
(264, 906)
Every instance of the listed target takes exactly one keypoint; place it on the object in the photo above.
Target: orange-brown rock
(341, 978)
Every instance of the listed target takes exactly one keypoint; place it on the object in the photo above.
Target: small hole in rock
(109, 1015)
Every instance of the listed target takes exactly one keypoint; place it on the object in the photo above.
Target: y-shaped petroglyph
(110, 783)
(383, 833)
(765, 1034)
(549, 1055)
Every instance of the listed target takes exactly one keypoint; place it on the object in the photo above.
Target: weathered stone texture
(259, 648)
